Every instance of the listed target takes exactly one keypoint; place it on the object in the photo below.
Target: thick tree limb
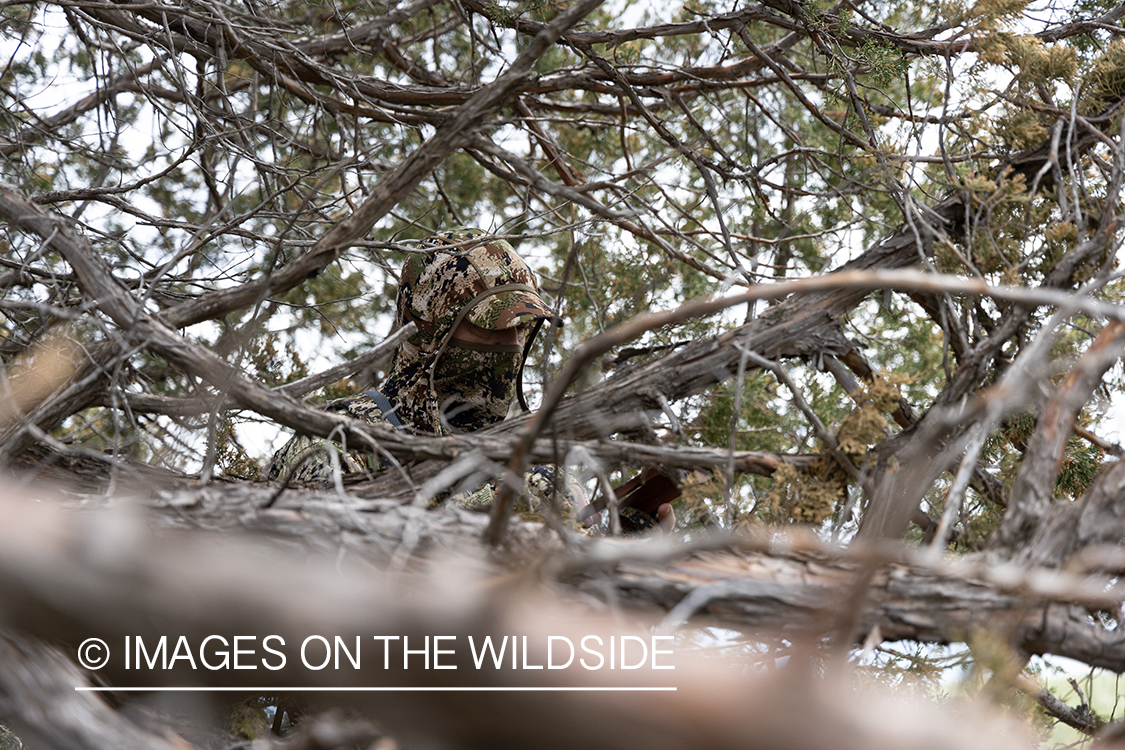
(1034, 489)
(61, 582)
(37, 696)
(1081, 718)
(64, 581)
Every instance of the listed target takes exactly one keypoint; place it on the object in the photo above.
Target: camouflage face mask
(439, 384)
(475, 383)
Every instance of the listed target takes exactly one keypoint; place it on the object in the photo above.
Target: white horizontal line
(319, 689)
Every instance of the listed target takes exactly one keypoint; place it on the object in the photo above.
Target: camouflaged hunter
(440, 384)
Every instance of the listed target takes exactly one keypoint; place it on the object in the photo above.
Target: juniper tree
(878, 243)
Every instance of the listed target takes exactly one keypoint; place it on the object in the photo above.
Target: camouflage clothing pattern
(484, 374)
(489, 285)
(539, 481)
(439, 384)
(307, 459)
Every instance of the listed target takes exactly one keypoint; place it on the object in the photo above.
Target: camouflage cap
(508, 310)
(436, 286)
